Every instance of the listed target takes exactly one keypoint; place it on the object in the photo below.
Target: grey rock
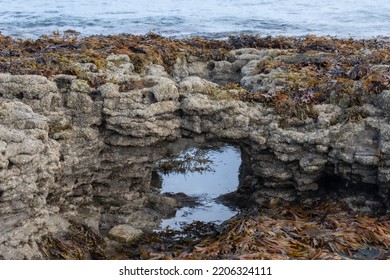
(124, 233)
(156, 70)
(165, 89)
(247, 51)
(249, 68)
(199, 69)
(382, 100)
(36, 91)
(195, 84)
(118, 67)
(224, 72)
(180, 69)
(118, 58)
(69, 151)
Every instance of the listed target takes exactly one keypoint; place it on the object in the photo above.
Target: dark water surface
(210, 18)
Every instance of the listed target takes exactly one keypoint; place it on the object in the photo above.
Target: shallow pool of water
(206, 187)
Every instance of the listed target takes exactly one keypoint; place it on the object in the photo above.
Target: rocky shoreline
(83, 123)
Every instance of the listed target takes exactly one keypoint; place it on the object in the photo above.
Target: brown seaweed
(80, 243)
(325, 231)
(313, 69)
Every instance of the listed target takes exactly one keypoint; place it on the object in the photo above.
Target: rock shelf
(80, 134)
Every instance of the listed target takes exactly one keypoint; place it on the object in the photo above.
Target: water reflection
(220, 178)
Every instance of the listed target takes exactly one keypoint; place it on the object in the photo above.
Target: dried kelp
(80, 243)
(309, 70)
(325, 231)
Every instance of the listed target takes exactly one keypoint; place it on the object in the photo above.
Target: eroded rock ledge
(73, 151)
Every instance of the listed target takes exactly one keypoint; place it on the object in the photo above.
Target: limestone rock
(118, 65)
(156, 70)
(180, 69)
(195, 84)
(165, 90)
(199, 69)
(29, 161)
(69, 151)
(224, 72)
(247, 51)
(124, 233)
(249, 68)
(382, 100)
(36, 91)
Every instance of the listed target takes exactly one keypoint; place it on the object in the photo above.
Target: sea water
(205, 187)
(208, 18)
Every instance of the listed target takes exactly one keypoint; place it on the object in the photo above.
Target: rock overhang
(64, 140)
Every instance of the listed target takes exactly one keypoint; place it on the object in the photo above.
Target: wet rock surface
(72, 150)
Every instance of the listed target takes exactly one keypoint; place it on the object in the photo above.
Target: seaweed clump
(304, 71)
(55, 54)
(325, 231)
(80, 243)
(314, 70)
